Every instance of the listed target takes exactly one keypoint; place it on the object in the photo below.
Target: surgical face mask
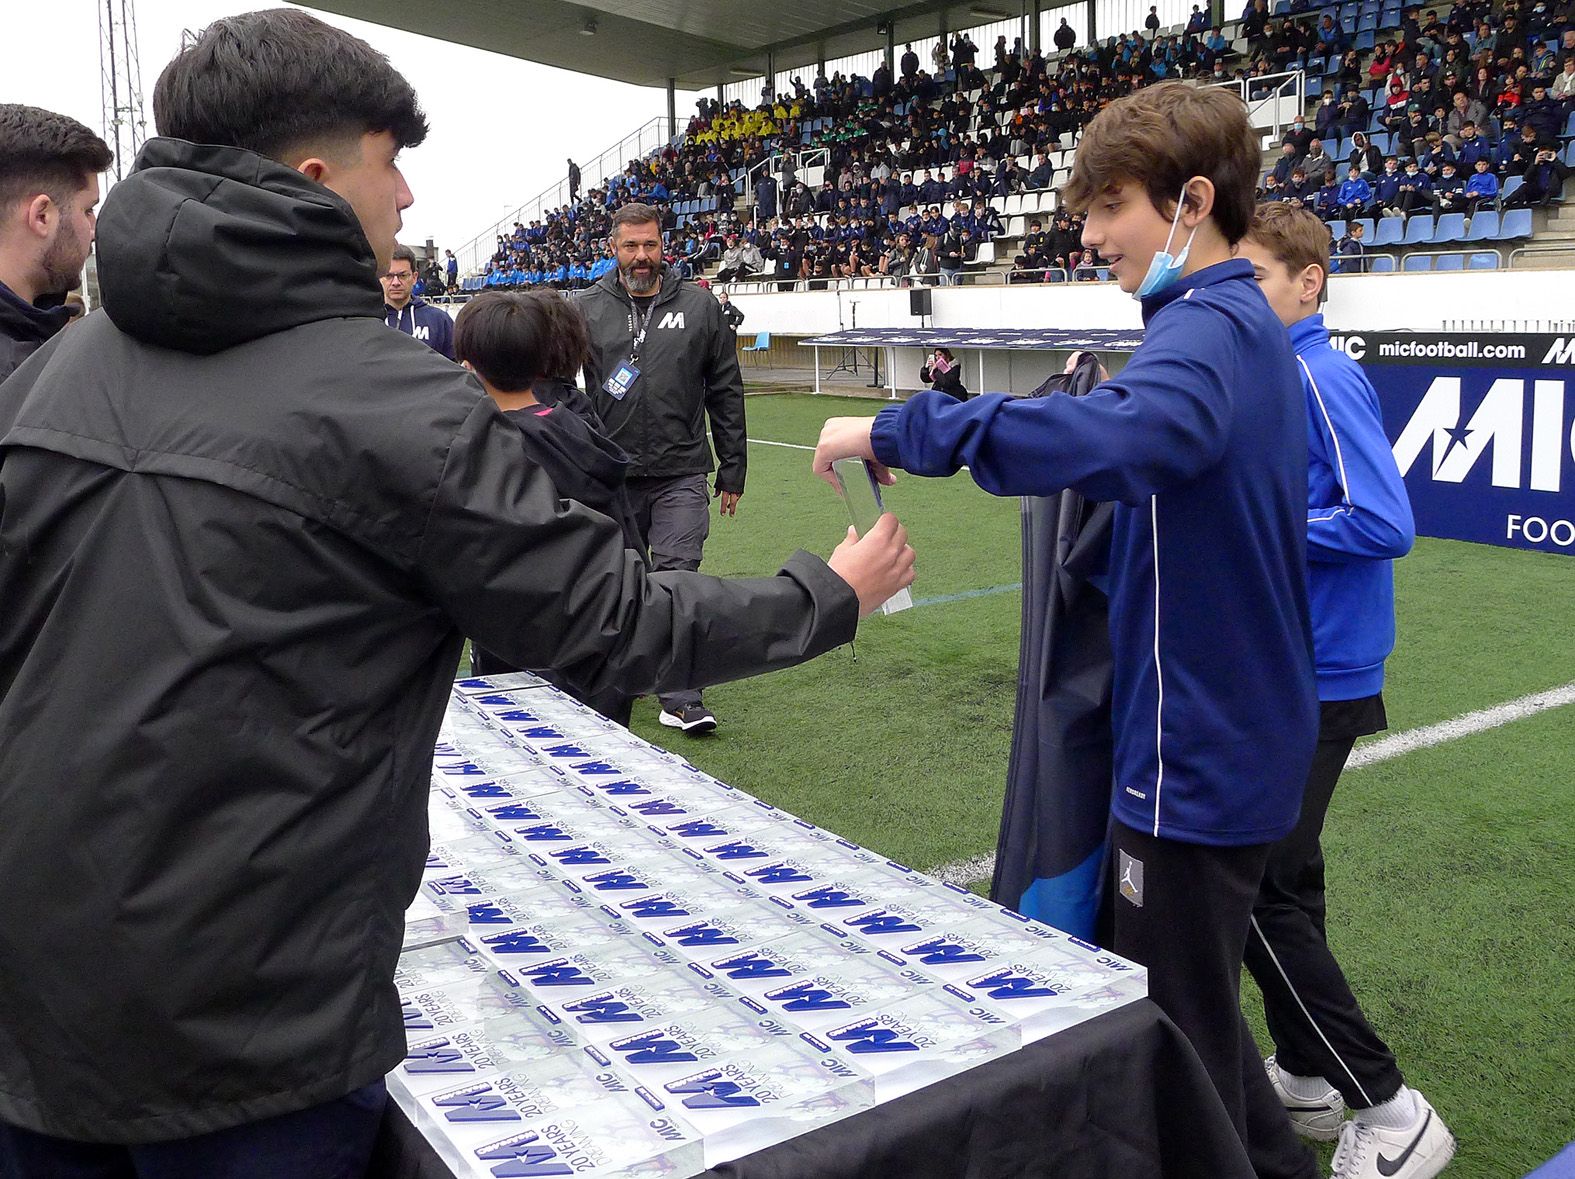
(1164, 270)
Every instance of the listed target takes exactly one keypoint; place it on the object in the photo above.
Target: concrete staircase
(1554, 241)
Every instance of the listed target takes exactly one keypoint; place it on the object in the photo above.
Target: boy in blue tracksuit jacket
(1202, 442)
(1327, 1057)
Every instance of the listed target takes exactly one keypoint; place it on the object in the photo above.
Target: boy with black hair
(1327, 1057)
(245, 530)
(521, 346)
(1202, 442)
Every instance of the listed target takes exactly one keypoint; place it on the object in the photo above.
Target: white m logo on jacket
(673, 319)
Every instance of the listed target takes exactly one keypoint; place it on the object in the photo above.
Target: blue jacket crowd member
(246, 531)
(1327, 1057)
(49, 166)
(415, 317)
(1202, 443)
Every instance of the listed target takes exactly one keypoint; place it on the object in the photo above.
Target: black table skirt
(1122, 1096)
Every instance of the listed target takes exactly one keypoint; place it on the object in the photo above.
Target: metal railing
(1546, 248)
(652, 136)
(802, 158)
(1364, 264)
(766, 284)
(1268, 91)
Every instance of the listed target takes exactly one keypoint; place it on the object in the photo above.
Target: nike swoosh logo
(1387, 1166)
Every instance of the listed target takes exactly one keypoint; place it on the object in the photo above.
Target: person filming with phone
(945, 374)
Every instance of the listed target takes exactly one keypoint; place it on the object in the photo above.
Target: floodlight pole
(120, 82)
(672, 109)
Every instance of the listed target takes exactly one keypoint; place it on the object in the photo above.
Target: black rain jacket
(243, 526)
(688, 371)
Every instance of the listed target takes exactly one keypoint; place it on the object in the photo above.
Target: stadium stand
(950, 177)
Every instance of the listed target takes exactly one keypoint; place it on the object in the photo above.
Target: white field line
(966, 872)
(788, 445)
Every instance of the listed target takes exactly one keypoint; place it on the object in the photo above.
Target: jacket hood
(31, 322)
(202, 248)
(582, 464)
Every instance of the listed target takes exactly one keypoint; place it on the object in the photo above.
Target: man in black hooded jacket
(243, 528)
(49, 166)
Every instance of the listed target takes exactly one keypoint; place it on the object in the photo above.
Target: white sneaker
(1419, 1151)
(1318, 1118)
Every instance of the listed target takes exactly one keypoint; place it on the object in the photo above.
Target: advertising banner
(1483, 428)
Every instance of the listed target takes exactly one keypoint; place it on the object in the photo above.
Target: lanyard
(639, 336)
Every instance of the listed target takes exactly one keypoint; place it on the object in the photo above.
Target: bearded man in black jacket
(244, 529)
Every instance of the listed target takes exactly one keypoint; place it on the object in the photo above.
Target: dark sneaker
(693, 719)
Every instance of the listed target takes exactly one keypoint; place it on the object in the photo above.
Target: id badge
(621, 381)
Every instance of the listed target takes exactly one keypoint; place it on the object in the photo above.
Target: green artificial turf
(1450, 869)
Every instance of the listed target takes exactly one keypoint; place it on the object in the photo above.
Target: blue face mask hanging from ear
(1163, 270)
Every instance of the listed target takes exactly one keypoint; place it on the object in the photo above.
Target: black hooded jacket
(243, 526)
(25, 326)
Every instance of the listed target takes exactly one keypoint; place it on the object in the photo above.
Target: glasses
(398, 276)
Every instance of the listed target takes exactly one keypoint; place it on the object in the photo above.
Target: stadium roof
(698, 43)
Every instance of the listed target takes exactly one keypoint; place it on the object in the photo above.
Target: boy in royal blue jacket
(1327, 1057)
(1202, 442)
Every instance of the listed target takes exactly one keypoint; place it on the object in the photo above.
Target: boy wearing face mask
(1201, 441)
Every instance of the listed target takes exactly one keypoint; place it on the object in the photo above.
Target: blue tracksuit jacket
(1358, 519)
(431, 325)
(1202, 440)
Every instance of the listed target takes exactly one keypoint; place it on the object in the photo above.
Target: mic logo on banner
(1488, 454)
(1498, 424)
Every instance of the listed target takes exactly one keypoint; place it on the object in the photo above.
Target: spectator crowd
(1443, 116)
(913, 156)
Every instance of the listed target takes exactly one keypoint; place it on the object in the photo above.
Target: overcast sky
(501, 128)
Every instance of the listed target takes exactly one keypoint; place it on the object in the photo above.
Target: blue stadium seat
(1484, 227)
(1390, 231)
(1517, 224)
(1384, 141)
(1449, 262)
(1365, 40)
(1315, 64)
(1381, 264)
(1336, 229)
(1313, 85)
(1418, 230)
(1336, 148)
(1415, 262)
(1331, 67)
(1367, 23)
(1569, 154)
(1281, 7)
(1367, 228)
(1511, 183)
(1569, 127)
(1451, 227)
(1482, 260)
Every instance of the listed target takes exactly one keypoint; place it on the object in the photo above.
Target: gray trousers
(673, 514)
